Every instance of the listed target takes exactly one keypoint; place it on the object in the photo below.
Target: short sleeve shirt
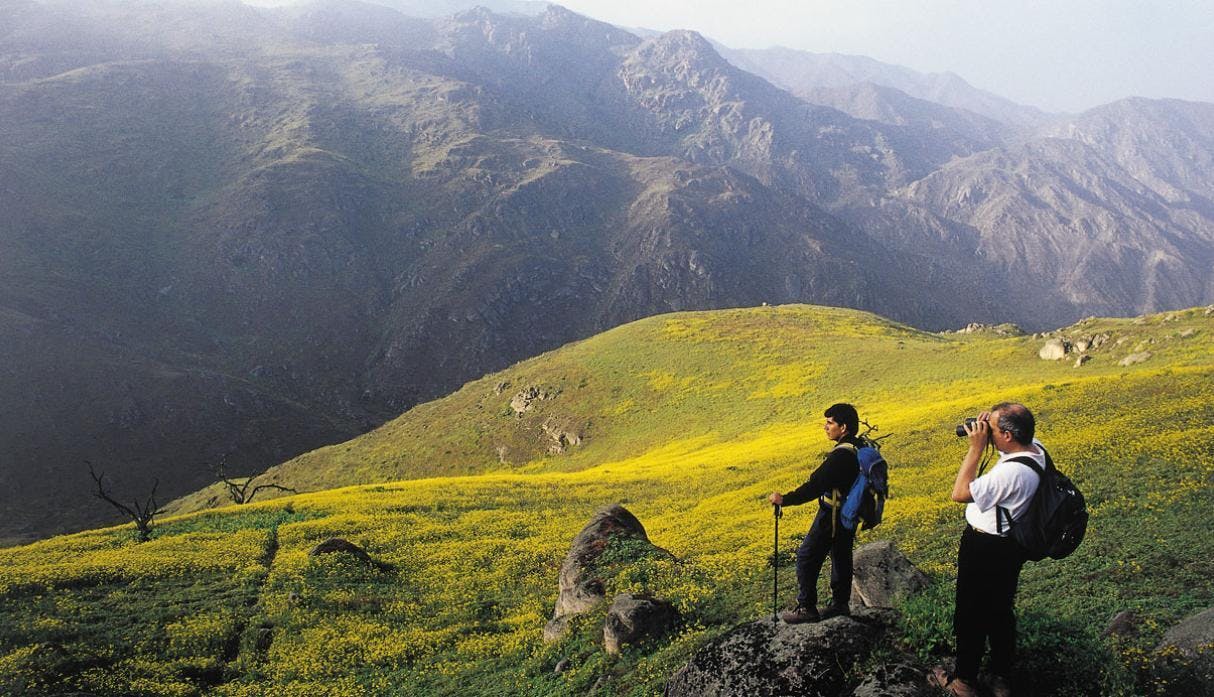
(1008, 485)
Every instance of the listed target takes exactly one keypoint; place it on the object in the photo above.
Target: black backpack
(1056, 519)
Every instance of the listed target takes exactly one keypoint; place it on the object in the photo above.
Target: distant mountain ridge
(808, 74)
(237, 234)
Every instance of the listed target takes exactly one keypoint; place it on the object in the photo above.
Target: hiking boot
(939, 677)
(828, 611)
(799, 615)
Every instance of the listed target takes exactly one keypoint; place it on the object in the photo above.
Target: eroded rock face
(762, 659)
(634, 618)
(882, 574)
(580, 581)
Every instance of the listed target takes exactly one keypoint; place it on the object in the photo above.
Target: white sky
(1059, 55)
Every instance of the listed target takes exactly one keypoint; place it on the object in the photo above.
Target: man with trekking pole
(989, 559)
(827, 535)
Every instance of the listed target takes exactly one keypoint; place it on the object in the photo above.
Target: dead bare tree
(142, 513)
(241, 492)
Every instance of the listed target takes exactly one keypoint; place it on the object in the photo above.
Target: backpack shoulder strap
(1030, 463)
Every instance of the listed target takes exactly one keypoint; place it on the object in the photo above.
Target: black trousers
(988, 571)
(819, 542)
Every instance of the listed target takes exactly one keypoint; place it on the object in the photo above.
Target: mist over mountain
(237, 233)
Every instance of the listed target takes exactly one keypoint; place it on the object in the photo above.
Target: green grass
(688, 420)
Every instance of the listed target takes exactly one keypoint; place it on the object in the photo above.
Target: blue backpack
(865, 501)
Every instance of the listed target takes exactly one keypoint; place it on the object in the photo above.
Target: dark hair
(1016, 419)
(844, 415)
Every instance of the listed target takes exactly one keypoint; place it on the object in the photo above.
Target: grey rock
(580, 581)
(1133, 358)
(635, 618)
(1187, 333)
(1081, 359)
(522, 401)
(1054, 349)
(561, 666)
(901, 679)
(766, 659)
(558, 628)
(1194, 633)
(882, 574)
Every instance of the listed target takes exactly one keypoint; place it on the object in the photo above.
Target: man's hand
(776, 499)
(979, 432)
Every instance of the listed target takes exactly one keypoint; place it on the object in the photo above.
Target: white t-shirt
(1009, 485)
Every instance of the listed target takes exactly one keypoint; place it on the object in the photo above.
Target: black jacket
(837, 471)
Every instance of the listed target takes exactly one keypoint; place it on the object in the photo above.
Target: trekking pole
(775, 571)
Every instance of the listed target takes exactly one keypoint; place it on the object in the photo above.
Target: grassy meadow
(689, 420)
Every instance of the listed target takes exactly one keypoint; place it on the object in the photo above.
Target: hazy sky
(1060, 55)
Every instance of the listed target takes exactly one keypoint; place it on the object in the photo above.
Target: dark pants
(819, 542)
(988, 570)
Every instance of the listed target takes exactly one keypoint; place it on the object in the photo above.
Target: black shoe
(828, 611)
(799, 615)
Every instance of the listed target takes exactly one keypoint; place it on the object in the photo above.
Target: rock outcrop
(1054, 349)
(581, 579)
(1134, 358)
(635, 618)
(766, 659)
(882, 574)
(1193, 635)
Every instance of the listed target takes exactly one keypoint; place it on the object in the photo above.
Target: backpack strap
(1000, 512)
(836, 497)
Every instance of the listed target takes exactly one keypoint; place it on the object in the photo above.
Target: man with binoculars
(988, 561)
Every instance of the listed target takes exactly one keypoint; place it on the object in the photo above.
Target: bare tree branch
(142, 514)
(240, 492)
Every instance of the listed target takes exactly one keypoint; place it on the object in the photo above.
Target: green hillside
(688, 420)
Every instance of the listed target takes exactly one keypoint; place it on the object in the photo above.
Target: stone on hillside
(1193, 634)
(1080, 360)
(1123, 624)
(338, 545)
(580, 583)
(882, 574)
(522, 402)
(901, 679)
(1098, 341)
(634, 618)
(766, 659)
(1187, 333)
(560, 439)
(1054, 349)
(1133, 358)
(1209, 311)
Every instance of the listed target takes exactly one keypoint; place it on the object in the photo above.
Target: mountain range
(234, 234)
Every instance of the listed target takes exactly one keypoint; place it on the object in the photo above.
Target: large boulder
(766, 659)
(1194, 634)
(1054, 349)
(882, 574)
(634, 618)
(582, 575)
